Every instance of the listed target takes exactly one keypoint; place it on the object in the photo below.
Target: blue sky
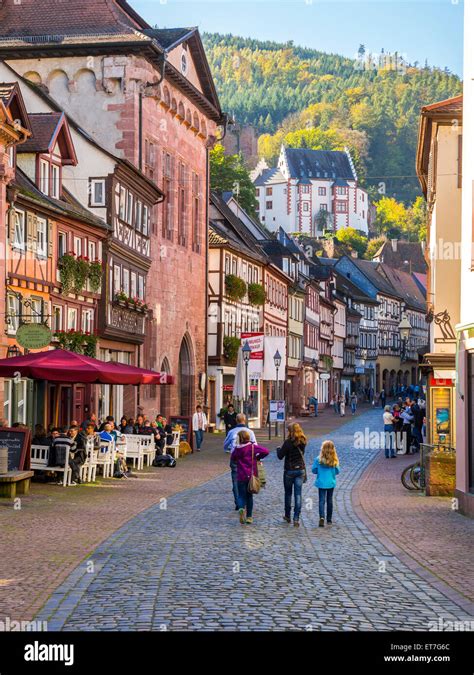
(418, 29)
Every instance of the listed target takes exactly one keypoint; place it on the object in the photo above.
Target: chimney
(394, 245)
(423, 246)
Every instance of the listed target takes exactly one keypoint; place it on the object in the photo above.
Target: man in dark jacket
(83, 440)
(230, 420)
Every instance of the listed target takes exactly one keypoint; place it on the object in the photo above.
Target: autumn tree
(229, 174)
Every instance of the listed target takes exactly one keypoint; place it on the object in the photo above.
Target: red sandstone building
(145, 95)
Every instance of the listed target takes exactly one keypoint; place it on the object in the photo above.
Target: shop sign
(438, 382)
(256, 342)
(33, 335)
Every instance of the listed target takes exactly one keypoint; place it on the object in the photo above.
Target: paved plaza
(186, 563)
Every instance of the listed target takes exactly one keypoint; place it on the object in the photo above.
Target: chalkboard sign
(18, 442)
(186, 423)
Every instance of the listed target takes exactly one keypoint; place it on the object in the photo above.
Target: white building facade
(311, 191)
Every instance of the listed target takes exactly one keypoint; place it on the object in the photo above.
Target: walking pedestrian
(389, 429)
(246, 454)
(353, 403)
(230, 418)
(382, 398)
(313, 401)
(342, 406)
(230, 444)
(199, 426)
(326, 467)
(294, 471)
(407, 419)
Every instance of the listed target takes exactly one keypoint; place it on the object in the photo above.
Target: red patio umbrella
(59, 365)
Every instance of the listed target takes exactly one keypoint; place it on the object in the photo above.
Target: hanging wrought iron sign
(33, 335)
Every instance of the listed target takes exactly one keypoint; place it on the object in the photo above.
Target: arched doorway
(165, 391)
(186, 378)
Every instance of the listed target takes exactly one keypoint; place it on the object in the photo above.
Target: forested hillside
(307, 98)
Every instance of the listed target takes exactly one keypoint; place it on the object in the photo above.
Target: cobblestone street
(187, 564)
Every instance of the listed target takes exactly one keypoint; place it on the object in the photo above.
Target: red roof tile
(66, 17)
(43, 126)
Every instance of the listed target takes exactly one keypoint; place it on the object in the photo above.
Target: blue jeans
(325, 495)
(417, 436)
(353, 407)
(293, 480)
(235, 489)
(390, 443)
(199, 434)
(245, 497)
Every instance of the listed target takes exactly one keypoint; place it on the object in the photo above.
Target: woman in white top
(388, 427)
(199, 426)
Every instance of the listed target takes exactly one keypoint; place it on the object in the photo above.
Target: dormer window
(51, 145)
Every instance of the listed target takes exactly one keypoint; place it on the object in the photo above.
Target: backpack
(164, 460)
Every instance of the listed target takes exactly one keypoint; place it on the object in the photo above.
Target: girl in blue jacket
(326, 467)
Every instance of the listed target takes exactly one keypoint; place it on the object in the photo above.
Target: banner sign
(256, 342)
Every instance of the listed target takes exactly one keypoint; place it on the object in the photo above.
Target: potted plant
(231, 348)
(81, 273)
(95, 275)
(257, 295)
(121, 297)
(67, 266)
(235, 287)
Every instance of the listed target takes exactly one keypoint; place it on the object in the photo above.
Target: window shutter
(30, 231)
(50, 238)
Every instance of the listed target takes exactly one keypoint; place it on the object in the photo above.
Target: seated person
(107, 433)
(61, 446)
(40, 437)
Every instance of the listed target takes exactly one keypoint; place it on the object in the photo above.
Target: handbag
(254, 481)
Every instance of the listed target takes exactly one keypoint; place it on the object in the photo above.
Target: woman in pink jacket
(242, 456)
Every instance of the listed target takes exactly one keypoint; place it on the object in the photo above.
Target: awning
(60, 365)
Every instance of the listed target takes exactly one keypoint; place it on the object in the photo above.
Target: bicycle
(412, 478)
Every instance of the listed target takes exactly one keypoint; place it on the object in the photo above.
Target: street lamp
(404, 328)
(246, 351)
(277, 362)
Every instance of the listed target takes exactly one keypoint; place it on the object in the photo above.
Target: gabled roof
(47, 130)
(449, 106)
(369, 270)
(304, 163)
(12, 100)
(405, 286)
(169, 38)
(404, 255)
(269, 176)
(68, 206)
(51, 18)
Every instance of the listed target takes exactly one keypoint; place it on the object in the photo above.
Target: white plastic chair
(148, 448)
(173, 448)
(134, 450)
(105, 457)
